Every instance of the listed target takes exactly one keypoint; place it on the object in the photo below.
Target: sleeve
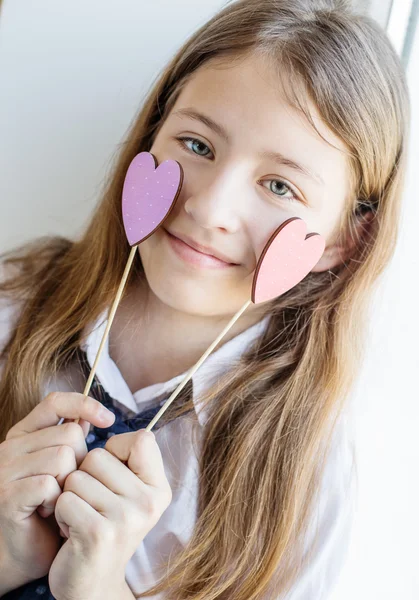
(329, 533)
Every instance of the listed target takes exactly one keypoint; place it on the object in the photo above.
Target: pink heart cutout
(149, 194)
(286, 259)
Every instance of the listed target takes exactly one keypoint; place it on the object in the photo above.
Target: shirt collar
(215, 365)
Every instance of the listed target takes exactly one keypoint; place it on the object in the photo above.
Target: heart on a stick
(149, 194)
(287, 258)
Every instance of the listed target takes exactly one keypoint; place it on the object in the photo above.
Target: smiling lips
(194, 256)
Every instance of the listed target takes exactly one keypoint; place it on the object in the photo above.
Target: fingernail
(105, 414)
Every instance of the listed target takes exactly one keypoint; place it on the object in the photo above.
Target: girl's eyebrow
(197, 116)
(269, 155)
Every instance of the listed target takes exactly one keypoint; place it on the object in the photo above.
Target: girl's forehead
(250, 98)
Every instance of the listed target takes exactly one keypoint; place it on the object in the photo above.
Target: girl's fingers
(64, 435)
(85, 425)
(38, 492)
(142, 455)
(58, 405)
(73, 512)
(111, 472)
(95, 493)
(58, 461)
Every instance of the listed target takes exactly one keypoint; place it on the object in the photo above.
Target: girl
(274, 109)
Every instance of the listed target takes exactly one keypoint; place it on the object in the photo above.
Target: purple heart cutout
(149, 195)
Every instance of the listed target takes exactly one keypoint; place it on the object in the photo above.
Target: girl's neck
(151, 342)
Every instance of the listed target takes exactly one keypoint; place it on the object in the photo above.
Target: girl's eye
(197, 146)
(278, 187)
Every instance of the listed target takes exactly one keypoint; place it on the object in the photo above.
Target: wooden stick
(196, 367)
(110, 319)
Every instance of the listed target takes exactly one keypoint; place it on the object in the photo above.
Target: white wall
(73, 75)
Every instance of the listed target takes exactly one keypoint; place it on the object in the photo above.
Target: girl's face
(250, 162)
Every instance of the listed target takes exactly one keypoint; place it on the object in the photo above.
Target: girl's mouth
(192, 256)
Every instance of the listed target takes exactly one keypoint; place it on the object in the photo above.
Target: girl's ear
(337, 254)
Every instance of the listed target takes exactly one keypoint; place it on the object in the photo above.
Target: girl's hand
(106, 509)
(35, 459)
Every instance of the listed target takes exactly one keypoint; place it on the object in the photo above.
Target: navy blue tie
(97, 438)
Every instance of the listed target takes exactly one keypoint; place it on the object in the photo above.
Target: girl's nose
(220, 202)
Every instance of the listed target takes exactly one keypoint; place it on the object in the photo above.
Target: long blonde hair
(262, 456)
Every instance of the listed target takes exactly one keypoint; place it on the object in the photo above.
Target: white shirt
(334, 509)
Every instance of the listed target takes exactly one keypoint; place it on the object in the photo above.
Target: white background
(73, 76)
